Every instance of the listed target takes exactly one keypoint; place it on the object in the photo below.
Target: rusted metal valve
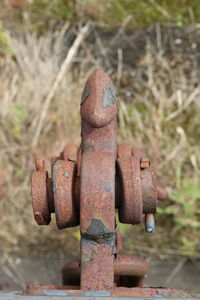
(88, 183)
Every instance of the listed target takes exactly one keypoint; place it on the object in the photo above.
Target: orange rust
(144, 163)
(64, 173)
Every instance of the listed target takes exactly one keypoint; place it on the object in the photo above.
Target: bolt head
(144, 163)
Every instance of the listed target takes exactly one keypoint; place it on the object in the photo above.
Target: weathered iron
(136, 292)
(86, 186)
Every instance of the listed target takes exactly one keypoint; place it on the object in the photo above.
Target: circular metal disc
(149, 190)
(39, 198)
(130, 210)
(63, 180)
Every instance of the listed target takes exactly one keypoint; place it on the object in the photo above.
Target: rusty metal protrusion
(70, 153)
(39, 192)
(149, 223)
(162, 194)
(88, 184)
(64, 173)
(130, 269)
(144, 163)
(139, 192)
(99, 105)
(40, 164)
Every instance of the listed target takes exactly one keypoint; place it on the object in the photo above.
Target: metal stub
(130, 266)
(162, 194)
(144, 163)
(40, 197)
(98, 106)
(149, 223)
(70, 152)
(40, 164)
(128, 168)
(64, 173)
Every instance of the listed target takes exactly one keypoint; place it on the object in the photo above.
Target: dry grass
(157, 73)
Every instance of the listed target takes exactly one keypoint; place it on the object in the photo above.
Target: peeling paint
(85, 94)
(106, 186)
(96, 293)
(99, 233)
(110, 95)
(55, 292)
(66, 174)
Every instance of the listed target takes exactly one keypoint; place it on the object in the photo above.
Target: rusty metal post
(86, 186)
(97, 193)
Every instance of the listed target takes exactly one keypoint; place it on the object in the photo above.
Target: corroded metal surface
(86, 186)
(74, 291)
(40, 197)
(97, 193)
(139, 193)
(131, 269)
(130, 210)
(70, 153)
(64, 173)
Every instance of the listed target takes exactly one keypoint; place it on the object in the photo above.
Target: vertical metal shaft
(97, 192)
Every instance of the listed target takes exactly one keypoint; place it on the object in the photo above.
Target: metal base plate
(96, 295)
(55, 292)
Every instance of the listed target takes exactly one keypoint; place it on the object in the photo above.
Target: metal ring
(149, 190)
(40, 198)
(64, 173)
(128, 168)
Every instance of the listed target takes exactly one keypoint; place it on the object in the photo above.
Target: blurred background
(151, 50)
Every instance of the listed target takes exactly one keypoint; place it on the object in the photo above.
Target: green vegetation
(4, 44)
(145, 13)
(42, 13)
(19, 116)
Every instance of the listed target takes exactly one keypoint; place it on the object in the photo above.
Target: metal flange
(63, 179)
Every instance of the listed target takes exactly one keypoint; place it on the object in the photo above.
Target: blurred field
(156, 70)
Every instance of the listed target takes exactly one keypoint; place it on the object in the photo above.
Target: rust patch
(110, 95)
(99, 233)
